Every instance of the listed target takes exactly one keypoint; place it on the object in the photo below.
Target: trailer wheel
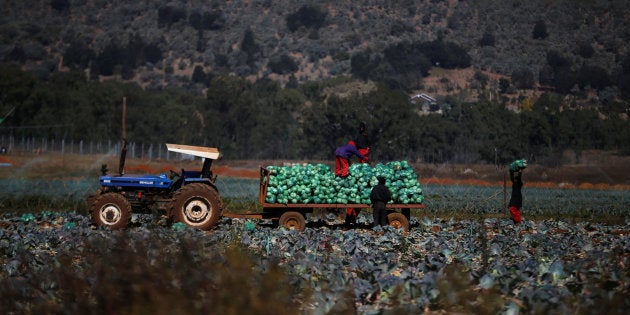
(398, 220)
(293, 220)
(112, 210)
(197, 205)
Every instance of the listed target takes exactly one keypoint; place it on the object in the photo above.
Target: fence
(63, 146)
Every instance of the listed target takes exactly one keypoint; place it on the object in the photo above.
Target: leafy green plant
(157, 274)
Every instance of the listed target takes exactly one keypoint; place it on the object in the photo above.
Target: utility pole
(123, 151)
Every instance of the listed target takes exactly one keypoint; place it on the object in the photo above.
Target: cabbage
(518, 165)
(316, 183)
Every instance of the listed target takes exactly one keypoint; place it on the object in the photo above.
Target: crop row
(242, 194)
(57, 262)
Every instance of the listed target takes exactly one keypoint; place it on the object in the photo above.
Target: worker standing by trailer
(380, 196)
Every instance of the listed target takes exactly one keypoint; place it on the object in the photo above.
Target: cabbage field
(461, 255)
(56, 262)
(241, 194)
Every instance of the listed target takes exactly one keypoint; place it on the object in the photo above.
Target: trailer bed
(294, 214)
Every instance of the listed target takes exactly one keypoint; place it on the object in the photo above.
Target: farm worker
(342, 163)
(342, 158)
(380, 196)
(516, 198)
(362, 142)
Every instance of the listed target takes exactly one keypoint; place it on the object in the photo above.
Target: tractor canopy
(204, 152)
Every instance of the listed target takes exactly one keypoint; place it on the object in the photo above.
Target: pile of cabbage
(317, 183)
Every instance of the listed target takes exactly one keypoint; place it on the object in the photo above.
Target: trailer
(294, 215)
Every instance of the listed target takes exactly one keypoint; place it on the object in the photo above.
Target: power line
(37, 126)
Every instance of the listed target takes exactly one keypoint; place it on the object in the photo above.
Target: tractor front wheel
(197, 205)
(112, 210)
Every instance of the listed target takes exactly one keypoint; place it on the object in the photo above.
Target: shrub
(540, 30)
(282, 64)
(487, 39)
(206, 20)
(199, 76)
(78, 54)
(60, 5)
(307, 16)
(557, 60)
(594, 76)
(523, 78)
(168, 15)
(586, 50)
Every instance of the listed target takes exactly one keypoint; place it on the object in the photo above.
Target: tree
(407, 57)
(360, 65)
(594, 76)
(504, 84)
(78, 54)
(487, 39)
(548, 102)
(307, 16)
(282, 64)
(167, 15)
(60, 5)
(445, 54)
(585, 49)
(523, 78)
(199, 76)
(206, 21)
(249, 46)
(556, 60)
(540, 30)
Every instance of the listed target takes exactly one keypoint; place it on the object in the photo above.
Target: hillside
(175, 43)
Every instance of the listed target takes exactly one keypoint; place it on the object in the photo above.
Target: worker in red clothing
(342, 163)
(342, 158)
(362, 141)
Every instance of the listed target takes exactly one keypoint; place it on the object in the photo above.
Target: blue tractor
(190, 197)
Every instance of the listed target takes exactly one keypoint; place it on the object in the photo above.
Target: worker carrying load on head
(516, 198)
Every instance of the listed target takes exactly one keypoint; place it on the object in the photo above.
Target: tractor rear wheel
(112, 210)
(197, 205)
(293, 220)
(398, 220)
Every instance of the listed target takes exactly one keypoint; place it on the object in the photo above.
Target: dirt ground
(600, 170)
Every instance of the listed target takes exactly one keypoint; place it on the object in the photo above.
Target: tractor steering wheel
(174, 175)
